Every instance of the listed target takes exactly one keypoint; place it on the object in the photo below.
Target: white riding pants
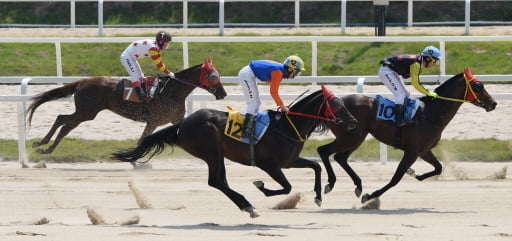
(247, 81)
(394, 83)
(132, 67)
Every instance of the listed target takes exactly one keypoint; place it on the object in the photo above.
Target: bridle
(207, 70)
(328, 114)
(469, 95)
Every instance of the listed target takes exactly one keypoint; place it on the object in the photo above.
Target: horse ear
(208, 63)
(468, 75)
(327, 93)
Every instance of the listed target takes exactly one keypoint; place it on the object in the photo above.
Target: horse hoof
(35, 144)
(318, 202)
(411, 172)
(40, 151)
(251, 212)
(327, 189)
(141, 166)
(358, 192)
(258, 184)
(365, 198)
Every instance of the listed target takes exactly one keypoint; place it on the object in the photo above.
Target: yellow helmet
(295, 62)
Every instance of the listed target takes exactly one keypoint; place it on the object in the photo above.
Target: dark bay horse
(202, 135)
(95, 94)
(416, 140)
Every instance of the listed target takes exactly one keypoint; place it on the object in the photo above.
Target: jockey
(145, 48)
(267, 71)
(408, 66)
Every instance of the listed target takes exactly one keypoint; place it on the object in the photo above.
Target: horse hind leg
(217, 179)
(403, 166)
(61, 120)
(68, 123)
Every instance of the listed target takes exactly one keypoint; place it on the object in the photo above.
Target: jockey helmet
(432, 52)
(295, 62)
(163, 37)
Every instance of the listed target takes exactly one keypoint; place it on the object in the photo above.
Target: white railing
(221, 22)
(23, 98)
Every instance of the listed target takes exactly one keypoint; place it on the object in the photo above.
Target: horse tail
(53, 94)
(153, 144)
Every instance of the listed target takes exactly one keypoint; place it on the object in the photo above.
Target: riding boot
(142, 94)
(248, 126)
(400, 116)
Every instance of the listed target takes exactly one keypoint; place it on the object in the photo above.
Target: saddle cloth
(129, 93)
(386, 108)
(234, 125)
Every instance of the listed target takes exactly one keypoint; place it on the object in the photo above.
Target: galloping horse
(416, 140)
(202, 134)
(95, 94)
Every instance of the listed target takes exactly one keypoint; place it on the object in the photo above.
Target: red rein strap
(311, 116)
(328, 95)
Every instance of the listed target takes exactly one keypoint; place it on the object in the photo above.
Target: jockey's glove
(432, 94)
(171, 74)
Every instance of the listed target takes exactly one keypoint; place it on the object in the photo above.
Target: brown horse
(416, 140)
(202, 135)
(95, 94)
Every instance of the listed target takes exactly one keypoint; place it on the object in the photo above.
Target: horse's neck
(178, 89)
(441, 112)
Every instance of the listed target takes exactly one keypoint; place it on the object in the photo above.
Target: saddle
(234, 125)
(386, 108)
(129, 93)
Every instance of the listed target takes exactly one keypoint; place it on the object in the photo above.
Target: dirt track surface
(184, 207)
(369, 31)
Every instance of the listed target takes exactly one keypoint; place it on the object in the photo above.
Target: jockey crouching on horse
(145, 48)
(406, 66)
(267, 71)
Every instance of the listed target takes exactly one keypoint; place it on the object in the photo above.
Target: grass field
(79, 150)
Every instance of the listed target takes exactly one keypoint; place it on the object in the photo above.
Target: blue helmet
(431, 51)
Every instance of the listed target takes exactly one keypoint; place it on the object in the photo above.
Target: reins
(468, 87)
(328, 111)
(189, 83)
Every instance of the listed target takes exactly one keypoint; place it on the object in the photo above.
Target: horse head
(204, 76)
(325, 106)
(210, 80)
(335, 108)
(476, 93)
(467, 88)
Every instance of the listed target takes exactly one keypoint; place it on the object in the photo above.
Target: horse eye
(477, 86)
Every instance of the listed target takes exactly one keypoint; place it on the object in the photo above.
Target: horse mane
(189, 68)
(441, 87)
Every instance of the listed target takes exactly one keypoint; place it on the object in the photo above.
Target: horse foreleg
(430, 158)
(317, 169)
(277, 174)
(324, 153)
(217, 179)
(148, 130)
(61, 120)
(342, 159)
(403, 166)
